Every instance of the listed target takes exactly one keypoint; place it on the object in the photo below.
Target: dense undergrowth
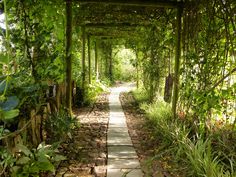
(24, 157)
(186, 151)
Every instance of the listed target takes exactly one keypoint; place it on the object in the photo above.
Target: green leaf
(9, 114)
(23, 160)
(15, 170)
(24, 149)
(10, 103)
(46, 166)
(42, 158)
(59, 158)
(3, 58)
(2, 86)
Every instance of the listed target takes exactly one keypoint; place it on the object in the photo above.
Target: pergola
(132, 9)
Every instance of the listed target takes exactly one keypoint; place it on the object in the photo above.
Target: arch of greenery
(124, 15)
(188, 44)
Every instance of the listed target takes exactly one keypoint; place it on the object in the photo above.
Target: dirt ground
(87, 151)
(144, 142)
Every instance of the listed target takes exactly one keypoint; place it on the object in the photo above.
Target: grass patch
(140, 95)
(188, 154)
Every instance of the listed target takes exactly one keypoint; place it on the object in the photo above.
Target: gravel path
(87, 151)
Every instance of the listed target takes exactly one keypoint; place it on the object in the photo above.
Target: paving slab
(122, 158)
(118, 134)
(117, 120)
(117, 125)
(124, 172)
(117, 130)
(118, 140)
(122, 152)
(123, 163)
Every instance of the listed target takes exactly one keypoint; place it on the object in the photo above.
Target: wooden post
(177, 62)
(83, 58)
(110, 63)
(137, 70)
(89, 60)
(96, 59)
(68, 55)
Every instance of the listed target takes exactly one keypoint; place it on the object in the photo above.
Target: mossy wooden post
(96, 59)
(110, 63)
(83, 59)
(89, 60)
(137, 69)
(68, 55)
(177, 62)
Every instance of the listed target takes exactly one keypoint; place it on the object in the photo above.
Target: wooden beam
(112, 25)
(151, 3)
(68, 56)
(177, 62)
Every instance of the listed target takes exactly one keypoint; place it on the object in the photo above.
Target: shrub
(59, 125)
(140, 95)
(93, 90)
(33, 162)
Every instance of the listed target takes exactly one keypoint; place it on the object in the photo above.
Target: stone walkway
(122, 158)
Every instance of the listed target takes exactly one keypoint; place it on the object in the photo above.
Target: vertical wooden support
(89, 60)
(110, 63)
(137, 70)
(68, 55)
(83, 58)
(177, 62)
(96, 59)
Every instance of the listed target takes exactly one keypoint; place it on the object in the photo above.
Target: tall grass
(140, 95)
(195, 155)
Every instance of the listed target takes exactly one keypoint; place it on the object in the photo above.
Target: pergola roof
(121, 15)
(152, 3)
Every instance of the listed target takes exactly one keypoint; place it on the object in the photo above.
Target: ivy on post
(177, 61)
(68, 56)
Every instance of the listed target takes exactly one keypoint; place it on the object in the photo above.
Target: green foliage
(207, 60)
(93, 90)
(8, 104)
(178, 140)
(7, 108)
(33, 162)
(59, 126)
(157, 111)
(123, 64)
(6, 160)
(30, 163)
(200, 159)
(140, 95)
